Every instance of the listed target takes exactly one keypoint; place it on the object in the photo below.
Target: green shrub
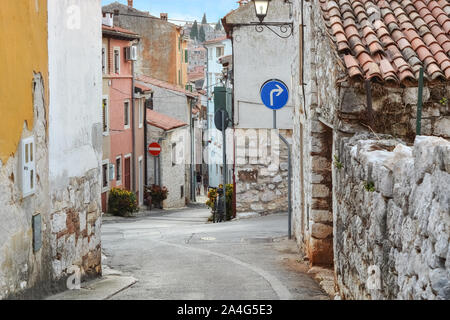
(122, 202)
(369, 186)
(338, 164)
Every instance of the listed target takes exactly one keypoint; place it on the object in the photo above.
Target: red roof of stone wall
(391, 39)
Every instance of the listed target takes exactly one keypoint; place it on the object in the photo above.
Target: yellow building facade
(23, 53)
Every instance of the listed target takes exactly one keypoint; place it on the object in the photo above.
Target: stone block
(442, 127)
(257, 207)
(59, 222)
(321, 231)
(321, 216)
(320, 191)
(268, 196)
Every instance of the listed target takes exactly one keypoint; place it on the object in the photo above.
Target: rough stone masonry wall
(262, 185)
(394, 110)
(392, 213)
(76, 227)
(22, 269)
(313, 139)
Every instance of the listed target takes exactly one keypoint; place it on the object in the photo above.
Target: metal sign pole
(289, 175)
(224, 151)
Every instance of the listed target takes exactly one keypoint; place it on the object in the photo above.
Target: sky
(184, 9)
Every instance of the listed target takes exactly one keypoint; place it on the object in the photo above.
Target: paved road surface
(177, 255)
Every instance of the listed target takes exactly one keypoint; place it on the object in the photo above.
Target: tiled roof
(119, 31)
(162, 121)
(143, 87)
(165, 85)
(390, 40)
(220, 39)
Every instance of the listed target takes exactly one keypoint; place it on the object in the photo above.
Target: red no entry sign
(154, 149)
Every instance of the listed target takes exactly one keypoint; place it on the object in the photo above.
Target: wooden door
(127, 174)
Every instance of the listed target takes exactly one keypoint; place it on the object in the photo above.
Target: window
(219, 51)
(105, 115)
(117, 60)
(186, 59)
(181, 192)
(28, 172)
(119, 170)
(105, 175)
(141, 113)
(179, 76)
(104, 60)
(174, 154)
(126, 115)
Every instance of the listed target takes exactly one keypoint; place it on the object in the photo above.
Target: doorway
(127, 173)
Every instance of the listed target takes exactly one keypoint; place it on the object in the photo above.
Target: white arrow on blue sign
(274, 94)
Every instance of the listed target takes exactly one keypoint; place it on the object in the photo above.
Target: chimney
(130, 3)
(164, 16)
(108, 19)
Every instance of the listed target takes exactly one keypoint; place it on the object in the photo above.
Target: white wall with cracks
(75, 134)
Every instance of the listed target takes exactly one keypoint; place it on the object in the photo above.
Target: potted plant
(157, 195)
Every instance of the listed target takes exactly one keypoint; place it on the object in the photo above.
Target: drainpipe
(207, 114)
(192, 150)
(160, 140)
(133, 131)
(233, 65)
(145, 142)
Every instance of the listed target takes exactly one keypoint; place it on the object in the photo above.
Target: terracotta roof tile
(163, 121)
(391, 39)
(165, 85)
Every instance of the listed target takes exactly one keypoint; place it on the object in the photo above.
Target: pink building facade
(123, 110)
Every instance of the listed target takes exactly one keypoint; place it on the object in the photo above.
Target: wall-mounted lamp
(261, 8)
(286, 29)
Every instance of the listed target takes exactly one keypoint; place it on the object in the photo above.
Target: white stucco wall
(75, 135)
(75, 72)
(258, 57)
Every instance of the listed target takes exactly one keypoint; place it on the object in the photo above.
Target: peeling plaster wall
(75, 131)
(20, 267)
(400, 226)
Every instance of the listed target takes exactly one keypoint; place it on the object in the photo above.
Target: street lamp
(261, 7)
(286, 29)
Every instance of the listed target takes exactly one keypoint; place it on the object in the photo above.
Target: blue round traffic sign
(274, 94)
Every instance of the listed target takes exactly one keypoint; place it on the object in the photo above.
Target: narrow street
(177, 255)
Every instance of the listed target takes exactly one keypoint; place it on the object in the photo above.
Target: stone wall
(76, 226)
(261, 171)
(392, 219)
(327, 101)
(314, 101)
(22, 268)
(174, 177)
(394, 110)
